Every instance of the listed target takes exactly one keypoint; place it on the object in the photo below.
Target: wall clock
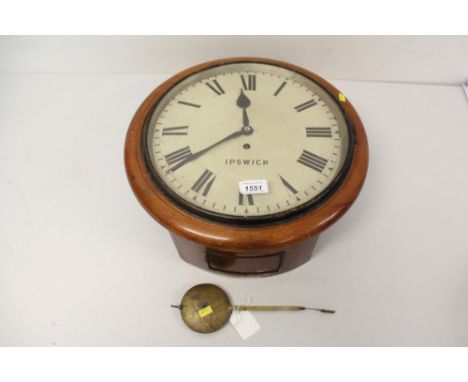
(245, 161)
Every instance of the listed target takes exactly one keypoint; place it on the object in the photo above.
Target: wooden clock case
(243, 250)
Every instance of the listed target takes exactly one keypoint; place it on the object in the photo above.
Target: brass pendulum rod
(271, 308)
(275, 308)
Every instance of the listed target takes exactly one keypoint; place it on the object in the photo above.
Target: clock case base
(260, 263)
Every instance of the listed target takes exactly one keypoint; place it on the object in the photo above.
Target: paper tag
(245, 323)
(205, 311)
(247, 187)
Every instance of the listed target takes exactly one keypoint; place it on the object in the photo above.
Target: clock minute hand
(246, 130)
(230, 136)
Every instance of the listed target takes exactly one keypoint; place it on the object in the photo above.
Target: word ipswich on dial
(246, 162)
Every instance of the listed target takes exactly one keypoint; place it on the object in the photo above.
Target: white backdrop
(438, 60)
(81, 263)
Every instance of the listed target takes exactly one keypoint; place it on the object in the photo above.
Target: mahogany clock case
(247, 246)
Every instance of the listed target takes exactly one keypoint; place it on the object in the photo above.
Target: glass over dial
(247, 141)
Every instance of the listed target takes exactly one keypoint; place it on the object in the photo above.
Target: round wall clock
(245, 161)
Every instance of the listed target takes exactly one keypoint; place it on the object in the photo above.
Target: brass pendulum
(206, 308)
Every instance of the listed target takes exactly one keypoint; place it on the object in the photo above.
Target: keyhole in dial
(246, 146)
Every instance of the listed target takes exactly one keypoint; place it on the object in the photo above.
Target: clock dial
(241, 122)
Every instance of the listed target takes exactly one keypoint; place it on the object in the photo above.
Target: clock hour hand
(245, 130)
(244, 102)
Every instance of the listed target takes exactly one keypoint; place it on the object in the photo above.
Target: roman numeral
(204, 182)
(249, 199)
(188, 104)
(280, 88)
(288, 185)
(305, 105)
(215, 86)
(313, 161)
(177, 157)
(179, 130)
(319, 132)
(251, 83)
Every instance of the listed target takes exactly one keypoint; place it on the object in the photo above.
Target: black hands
(243, 102)
(198, 153)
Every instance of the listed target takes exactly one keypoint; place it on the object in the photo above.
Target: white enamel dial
(241, 122)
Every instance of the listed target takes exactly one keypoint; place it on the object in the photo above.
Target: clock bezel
(254, 220)
(237, 232)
